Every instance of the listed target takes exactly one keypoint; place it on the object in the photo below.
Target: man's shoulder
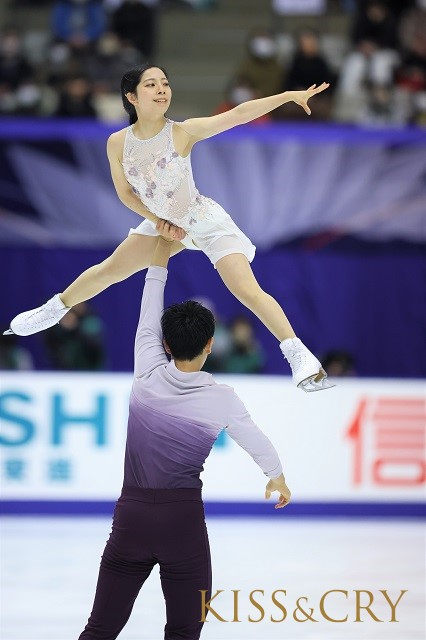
(223, 389)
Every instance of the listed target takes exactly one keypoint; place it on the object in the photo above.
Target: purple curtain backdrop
(278, 182)
(59, 214)
(365, 298)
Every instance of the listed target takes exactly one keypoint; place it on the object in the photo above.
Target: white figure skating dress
(163, 180)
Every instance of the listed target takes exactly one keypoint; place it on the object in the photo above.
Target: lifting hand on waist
(169, 231)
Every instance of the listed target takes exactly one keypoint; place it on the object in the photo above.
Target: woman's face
(153, 93)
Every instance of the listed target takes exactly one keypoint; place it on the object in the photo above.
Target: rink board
(357, 448)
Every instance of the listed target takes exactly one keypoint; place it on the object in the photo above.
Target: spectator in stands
(240, 90)
(59, 63)
(340, 364)
(246, 354)
(309, 66)
(260, 66)
(14, 66)
(76, 99)
(215, 363)
(28, 98)
(136, 22)
(411, 75)
(105, 68)
(77, 343)
(381, 108)
(13, 357)
(372, 61)
(374, 26)
(78, 22)
(15, 69)
(110, 60)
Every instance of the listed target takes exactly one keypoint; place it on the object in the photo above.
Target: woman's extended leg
(132, 255)
(236, 273)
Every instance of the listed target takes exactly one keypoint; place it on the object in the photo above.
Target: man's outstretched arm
(149, 350)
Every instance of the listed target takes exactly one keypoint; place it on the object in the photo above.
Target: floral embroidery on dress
(163, 179)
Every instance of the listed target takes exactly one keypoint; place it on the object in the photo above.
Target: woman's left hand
(301, 97)
(170, 231)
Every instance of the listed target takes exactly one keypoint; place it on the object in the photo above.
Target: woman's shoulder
(118, 136)
(115, 142)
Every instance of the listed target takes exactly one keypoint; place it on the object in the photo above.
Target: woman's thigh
(237, 275)
(134, 254)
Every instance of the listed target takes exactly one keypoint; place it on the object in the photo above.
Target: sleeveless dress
(163, 181)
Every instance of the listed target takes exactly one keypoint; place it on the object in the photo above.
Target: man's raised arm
(149, 350)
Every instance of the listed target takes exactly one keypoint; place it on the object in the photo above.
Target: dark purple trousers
(150, 526)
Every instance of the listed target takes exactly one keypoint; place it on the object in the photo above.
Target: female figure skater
(151, 171)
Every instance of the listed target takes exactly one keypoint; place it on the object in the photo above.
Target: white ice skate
(307, 371)
(35, 320)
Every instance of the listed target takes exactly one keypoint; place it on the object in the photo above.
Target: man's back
(176, 416)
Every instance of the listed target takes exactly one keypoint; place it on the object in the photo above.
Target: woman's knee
(249, 295)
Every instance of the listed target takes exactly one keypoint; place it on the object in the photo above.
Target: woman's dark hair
(187, 327)
(129, 82)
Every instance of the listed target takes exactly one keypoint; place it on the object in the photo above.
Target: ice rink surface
(49, 569)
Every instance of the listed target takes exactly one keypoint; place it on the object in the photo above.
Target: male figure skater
(176, 412)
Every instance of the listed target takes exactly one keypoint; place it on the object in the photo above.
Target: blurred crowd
(74, 69)
(379, 80)
(77, 344)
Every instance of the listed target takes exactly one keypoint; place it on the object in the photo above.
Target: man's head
(188, 330)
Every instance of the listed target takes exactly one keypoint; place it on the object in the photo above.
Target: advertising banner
(62, 437)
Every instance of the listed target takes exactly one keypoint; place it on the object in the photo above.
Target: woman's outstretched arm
(201, 128)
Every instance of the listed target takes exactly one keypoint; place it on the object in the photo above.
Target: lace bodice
(163, 179)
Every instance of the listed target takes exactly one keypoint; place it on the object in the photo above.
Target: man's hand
(278, 484)
(301, 97)
(169, 231)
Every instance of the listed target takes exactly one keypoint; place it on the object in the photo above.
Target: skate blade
(8, 332)
(318, 382)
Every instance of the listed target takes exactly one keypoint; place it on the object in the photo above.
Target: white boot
(29, 322)
(307, 371)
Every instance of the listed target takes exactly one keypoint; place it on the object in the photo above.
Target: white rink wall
(62, 437)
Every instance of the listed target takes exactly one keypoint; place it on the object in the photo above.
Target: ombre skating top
(175, 417)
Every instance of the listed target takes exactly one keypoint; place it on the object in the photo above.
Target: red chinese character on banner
(389, 441)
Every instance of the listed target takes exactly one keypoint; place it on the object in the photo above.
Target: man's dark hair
(187, 327)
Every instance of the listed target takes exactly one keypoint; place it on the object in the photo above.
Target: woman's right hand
(169, 231)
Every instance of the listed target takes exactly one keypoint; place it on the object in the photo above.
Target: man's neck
(188, 366)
